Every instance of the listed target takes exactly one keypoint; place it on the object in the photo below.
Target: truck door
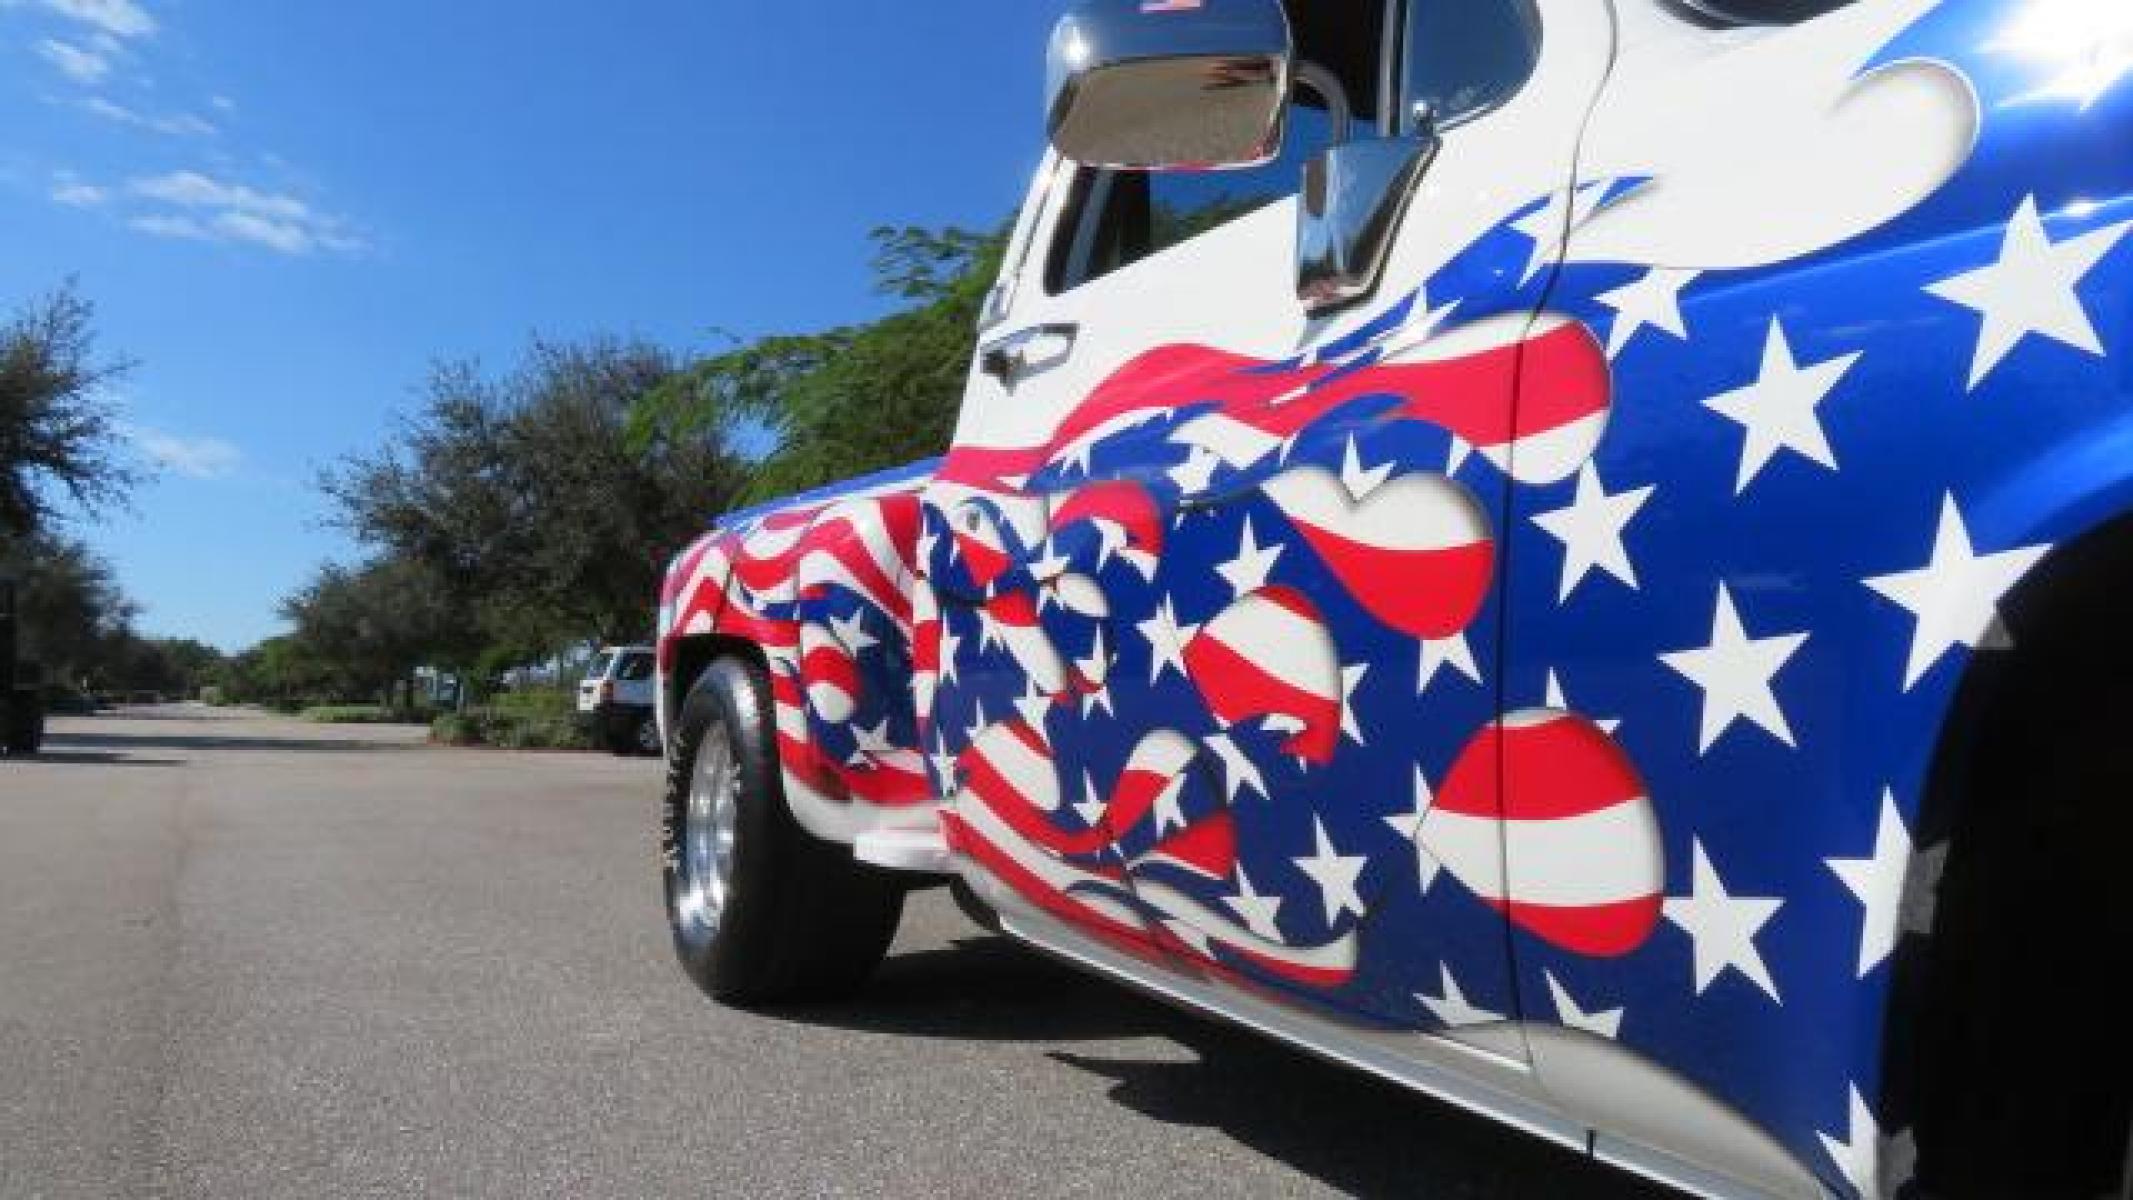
(1217, 657)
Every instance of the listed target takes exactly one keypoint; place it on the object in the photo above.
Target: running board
(920, 850)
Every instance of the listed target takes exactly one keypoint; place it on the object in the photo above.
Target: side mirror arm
(1355, 196)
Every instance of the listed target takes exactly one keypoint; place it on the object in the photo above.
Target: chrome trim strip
(1639, 1159)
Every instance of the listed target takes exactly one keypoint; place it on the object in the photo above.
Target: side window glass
(1461, 58)
(637, 668)
(1118, 218)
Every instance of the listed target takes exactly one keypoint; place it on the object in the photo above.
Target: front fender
(826, 588)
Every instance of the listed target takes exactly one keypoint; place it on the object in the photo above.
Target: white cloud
(175, 124)
(287, 237)
(119, 18)
(194, 458)
(191, 189)
(223, 104)
(203, 208)
(164, 225)
(73, 193)
(76, 63)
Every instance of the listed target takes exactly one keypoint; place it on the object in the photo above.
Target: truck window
(1461, 58)
(636, 668)
(600, 664)
(1117, 218)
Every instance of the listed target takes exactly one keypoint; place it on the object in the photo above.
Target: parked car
(1583, 572)
(618, 695)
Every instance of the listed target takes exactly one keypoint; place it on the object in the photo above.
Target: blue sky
(285, 210)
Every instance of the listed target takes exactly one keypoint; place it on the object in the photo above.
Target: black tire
(2018, 1084)
(801, 920)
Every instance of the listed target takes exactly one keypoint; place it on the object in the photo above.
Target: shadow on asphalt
(96, 758)
(1352, 1132)
(125, 743)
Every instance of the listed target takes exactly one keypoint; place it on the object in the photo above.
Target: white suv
(618, 693)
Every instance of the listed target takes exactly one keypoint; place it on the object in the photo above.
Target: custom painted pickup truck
(1573, 554)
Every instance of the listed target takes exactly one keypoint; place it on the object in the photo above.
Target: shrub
(458, 729)
(367, 714)
(513, 731)
(62, 701)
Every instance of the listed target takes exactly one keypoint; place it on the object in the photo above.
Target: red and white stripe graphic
(1153, 778)
(1196, 927)
(859, 546)
(925, 651)
(1465, 378)
(981, 546)
(1417, 552)
(824, 786)
(1532, 394)
(831, 675)
(1009, 773)
(763, 559)
(1012, 617)
(1012, 864)
(1123, 506)
(1271, 655)
(1544, 817)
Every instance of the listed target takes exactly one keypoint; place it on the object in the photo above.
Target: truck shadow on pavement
(1354, 1133)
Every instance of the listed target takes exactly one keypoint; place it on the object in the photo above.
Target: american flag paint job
(1243, 668)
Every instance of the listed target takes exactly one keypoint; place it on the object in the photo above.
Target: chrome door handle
(1027, 351)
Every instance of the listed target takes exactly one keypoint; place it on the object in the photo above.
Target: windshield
(598, 669)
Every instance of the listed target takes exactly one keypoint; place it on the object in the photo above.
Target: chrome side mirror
(1354, 197)
(1170, 84)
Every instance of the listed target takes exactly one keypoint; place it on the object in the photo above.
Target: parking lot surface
(242, 955)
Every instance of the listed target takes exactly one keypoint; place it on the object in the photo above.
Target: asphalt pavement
(243, 956)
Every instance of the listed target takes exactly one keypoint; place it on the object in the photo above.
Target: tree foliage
(73, 614)
(59, 433)
(60, 443)
(362, 631)
(533, 516)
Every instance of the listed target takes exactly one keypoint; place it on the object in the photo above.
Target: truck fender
(828, 593)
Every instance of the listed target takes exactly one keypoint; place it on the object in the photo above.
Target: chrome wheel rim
(710, 831)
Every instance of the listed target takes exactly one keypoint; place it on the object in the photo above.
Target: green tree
(362, 632)
(59, 432)
(74, 616)
(540, 520)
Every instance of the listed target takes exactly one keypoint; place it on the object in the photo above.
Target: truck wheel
(2031, 914)
(761, 911)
